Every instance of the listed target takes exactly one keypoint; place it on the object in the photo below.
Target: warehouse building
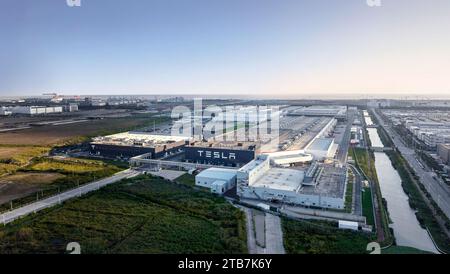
(322, 148)
(329, 111)
(130, 144)
(35, 110)
(233, 154)
(443, 151)
(219, 180)
(321, 186)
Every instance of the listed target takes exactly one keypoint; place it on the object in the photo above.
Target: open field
(48, 176)
(23, 184)
(403, 250)
(140, 215)
(63, 134)
(14, 157)
(25, 151)
(320, 237)
(65, 165)
(186, 179)
(367, 206)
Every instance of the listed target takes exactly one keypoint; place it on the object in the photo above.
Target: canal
(407, 230)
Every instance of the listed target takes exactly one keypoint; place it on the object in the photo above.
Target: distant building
(130, 144)
(322, 148)
(4, 111)
(443, 151)
(35, 110)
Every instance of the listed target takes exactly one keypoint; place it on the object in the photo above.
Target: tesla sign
(217, 154)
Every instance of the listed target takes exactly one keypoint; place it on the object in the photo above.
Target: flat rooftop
(226, 145)
(219, 173)
(281, 179)
(144, 138)
(253, 164)
(321, 144)
(331, 183)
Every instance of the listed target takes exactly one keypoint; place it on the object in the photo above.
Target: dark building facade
(120, 151)
(223, 156)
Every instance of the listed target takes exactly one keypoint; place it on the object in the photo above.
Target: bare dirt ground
(22, 184)
(7, 152)
(51, 135)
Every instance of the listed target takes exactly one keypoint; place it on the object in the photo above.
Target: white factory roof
(143, 137)
(218, 173)
(281, 179)
(253, 164)
(321, 144)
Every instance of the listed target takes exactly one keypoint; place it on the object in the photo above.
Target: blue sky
(282, 47)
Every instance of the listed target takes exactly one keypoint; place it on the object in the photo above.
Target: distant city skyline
(253, 48)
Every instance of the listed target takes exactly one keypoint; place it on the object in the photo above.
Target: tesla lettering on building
(217, 154)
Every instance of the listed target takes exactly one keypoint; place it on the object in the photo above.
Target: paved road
(274, 235)
(10, 216)
(358, 186)
(251, 240)
(344, 145)
(437, 189)
(270, 227)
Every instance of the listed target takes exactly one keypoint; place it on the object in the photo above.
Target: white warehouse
(322, 148)
(258, 180)
(35, 110)
(219, 180)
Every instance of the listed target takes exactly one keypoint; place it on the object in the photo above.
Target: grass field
(140, 215)
(14, 157)
(66, 166)
(320, 237)
(367, 206)
(186, 179)
(26, 150)
(349, 192)
(22, 184)
(47, 176)
(403, 250)
(73, 133)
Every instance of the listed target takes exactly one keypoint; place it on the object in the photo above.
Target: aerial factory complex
(307, 168)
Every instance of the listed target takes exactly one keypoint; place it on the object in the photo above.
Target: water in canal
(407, 230)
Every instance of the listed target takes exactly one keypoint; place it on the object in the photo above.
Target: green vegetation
(186, 179)
(365, 161)
(140, 215)
(361, 157)
(320, 237)
(349, 192)
(13, 158)
(65, 166)
(367, 206)
(75, 172)
(403, 250)
(424, 214)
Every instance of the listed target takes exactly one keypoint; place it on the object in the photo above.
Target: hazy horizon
(263, 49)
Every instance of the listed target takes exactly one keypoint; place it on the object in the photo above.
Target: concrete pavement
(17, 213)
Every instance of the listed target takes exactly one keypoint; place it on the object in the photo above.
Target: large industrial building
(234, 154)
(330, 111)
(320, 186)
(35, 110)
(322, 148)
(443, 151)
(130, 144)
